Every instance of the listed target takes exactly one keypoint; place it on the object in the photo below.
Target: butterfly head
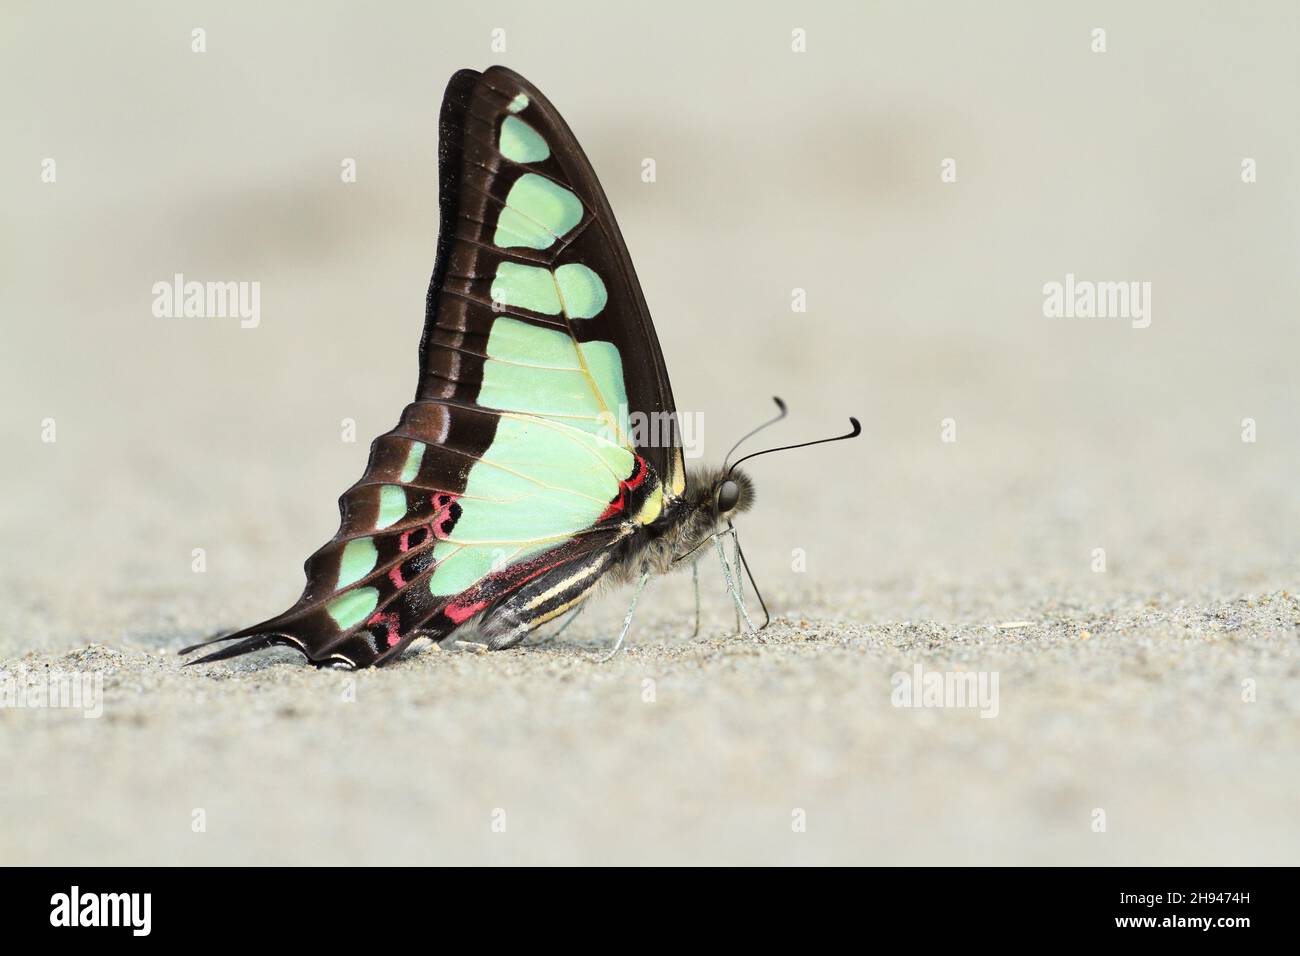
(719, 496)
(732, 494)
(715, 496)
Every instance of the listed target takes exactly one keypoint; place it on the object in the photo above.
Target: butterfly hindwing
(435, 532)
(516, 471)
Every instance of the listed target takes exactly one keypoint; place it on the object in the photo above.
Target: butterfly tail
(351, 652)
(246, 645)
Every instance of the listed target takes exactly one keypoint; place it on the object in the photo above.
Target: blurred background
(776, 170)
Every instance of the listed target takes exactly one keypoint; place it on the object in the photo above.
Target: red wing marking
(629, 484)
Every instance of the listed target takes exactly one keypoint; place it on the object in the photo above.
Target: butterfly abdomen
(543, 599)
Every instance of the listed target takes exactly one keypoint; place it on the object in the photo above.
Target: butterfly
(518, 482)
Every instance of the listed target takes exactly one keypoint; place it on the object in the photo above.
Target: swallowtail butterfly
(513, 486)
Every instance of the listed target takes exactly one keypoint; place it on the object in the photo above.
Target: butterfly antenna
(767, 617)
(857, 430)
(748, 435)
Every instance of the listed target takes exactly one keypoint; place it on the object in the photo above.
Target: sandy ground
(1162, 690)
(687, 751)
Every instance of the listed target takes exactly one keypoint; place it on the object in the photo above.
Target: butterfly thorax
(686, 524)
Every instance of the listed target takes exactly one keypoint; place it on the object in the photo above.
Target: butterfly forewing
(537, 244)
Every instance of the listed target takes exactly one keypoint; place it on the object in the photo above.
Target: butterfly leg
(740, 581)
(695, 580)
(731, 585)
(573, 615)
(569, 620)
(627, 620)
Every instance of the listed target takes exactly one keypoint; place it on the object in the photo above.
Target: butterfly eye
(728, 495)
